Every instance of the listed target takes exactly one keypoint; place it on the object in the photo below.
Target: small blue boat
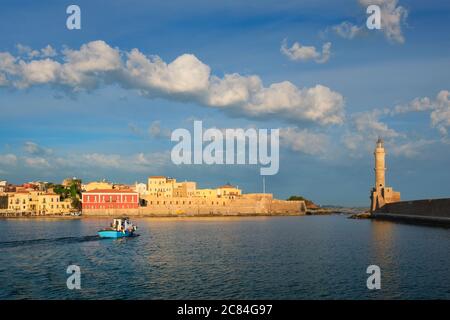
(120, 228)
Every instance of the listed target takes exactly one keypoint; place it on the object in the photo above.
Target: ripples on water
(306, 257)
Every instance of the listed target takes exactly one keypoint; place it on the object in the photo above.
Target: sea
(294, 257)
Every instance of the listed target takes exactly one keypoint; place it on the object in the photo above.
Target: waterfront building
(38, 202)
(228, 191)
(184, 189)
(166, 196)
(97, 185)
(160, 186)
(380, 193)
(206, 193)
(110, 199)
(140, 188)
(3, 185)
(3, 201)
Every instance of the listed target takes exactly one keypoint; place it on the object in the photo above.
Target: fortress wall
(429, 208)
(202, 207)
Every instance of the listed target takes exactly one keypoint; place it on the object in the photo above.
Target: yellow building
(38, 202)
(101, 185)
(228, 191)
(185, 189)
(159, 186)
(206, 193)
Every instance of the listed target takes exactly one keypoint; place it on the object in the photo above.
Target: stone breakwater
(428, 210)
(217, 207)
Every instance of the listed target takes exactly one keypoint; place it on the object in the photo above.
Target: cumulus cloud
(28, 52)
(139, 162)
(365, 128)
(439, 108)
(184, 79)
(304, 141)
(298, 52)
(347, 30)
(35, 149)
(440, 116)
(36, 162)
(370, 124)
(392, 18)
(411, 149)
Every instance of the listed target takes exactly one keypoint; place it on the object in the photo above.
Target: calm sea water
(306, 257)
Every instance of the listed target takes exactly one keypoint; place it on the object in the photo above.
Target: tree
(308, 203)
(296, 198)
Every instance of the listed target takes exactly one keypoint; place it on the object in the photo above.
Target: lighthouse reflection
(384, 254)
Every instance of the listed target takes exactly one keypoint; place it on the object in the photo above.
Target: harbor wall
(437, 210)
(208, 207)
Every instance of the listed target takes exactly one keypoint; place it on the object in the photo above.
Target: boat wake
(63, 240)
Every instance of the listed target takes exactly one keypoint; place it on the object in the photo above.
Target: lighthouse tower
(380, 167)
(380, 194)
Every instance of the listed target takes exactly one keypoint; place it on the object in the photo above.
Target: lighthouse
(380, 194)
(380, 167)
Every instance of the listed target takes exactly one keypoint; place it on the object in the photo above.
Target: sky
(102, 101)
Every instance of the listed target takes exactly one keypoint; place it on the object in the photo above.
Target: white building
(140, 188)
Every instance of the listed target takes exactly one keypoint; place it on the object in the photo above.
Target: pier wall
(432, 210)
(218, 207)
(431, 207)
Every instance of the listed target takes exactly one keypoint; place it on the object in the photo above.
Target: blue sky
(54, 127)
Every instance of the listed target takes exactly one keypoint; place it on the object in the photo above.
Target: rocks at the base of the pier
(362, 215)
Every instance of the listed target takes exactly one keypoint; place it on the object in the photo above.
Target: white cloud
(347, 30)
(410, 149)
(298, 52)
(304, 141)
(392, 17)
(8, 159)
(35, 149)
(36, 162)
(100, 161)
(365, 128)
(37, 72)
(156, 131)
(439, 107)
(185, 75)
(28, 52)
(440, 116)
(186, 79)
(48, 51)
(370, 124)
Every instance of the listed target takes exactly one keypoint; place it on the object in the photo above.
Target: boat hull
(114, 234)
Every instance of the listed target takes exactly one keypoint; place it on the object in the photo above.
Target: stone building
(38, 202)
(97, 185)
(380, 193)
